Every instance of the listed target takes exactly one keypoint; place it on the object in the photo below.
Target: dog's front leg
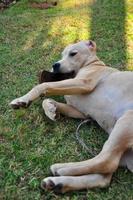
(66, 87)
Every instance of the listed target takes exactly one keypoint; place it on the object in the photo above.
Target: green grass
(31, 40)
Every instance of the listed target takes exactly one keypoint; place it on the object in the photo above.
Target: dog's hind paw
(50, 109)
(54, 184)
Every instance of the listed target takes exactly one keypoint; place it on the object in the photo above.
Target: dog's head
(75, 56)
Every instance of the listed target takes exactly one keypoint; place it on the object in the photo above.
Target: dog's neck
(94, 60)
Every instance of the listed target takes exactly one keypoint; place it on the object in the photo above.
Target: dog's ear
(91, 45)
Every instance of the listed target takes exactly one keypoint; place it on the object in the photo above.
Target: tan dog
(103, 93)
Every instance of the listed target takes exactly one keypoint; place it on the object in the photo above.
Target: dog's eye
(73, 54)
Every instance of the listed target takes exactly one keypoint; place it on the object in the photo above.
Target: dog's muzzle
(56, 67)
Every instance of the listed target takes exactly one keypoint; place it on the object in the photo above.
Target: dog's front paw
(19, 103)
(50, 108)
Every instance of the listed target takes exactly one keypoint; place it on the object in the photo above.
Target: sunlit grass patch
(74, 4)
(129, 33)
(70, 29)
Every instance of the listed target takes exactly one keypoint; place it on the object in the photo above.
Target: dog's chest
(92, 104)
(98, 106)
(108, 102)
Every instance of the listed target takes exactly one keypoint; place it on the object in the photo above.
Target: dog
(101, 92)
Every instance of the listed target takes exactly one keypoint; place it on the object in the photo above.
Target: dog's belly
(93, 106)
(108, 102)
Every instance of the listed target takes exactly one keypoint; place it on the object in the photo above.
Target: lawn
(31, 40)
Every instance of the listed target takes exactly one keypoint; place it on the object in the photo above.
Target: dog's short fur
(103, 93)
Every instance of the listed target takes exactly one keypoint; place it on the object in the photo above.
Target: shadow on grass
(108, 30)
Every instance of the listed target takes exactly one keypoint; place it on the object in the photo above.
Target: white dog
(103, 93)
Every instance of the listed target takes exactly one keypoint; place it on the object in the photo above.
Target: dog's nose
(56, 67)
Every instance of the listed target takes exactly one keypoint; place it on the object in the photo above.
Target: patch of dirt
(2, 140)
(43, 5)
(6, 3)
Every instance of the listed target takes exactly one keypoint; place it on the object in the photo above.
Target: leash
(81, 141)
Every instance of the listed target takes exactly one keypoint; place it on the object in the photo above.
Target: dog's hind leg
(64, 184)
(108, 159)
(53, 109)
